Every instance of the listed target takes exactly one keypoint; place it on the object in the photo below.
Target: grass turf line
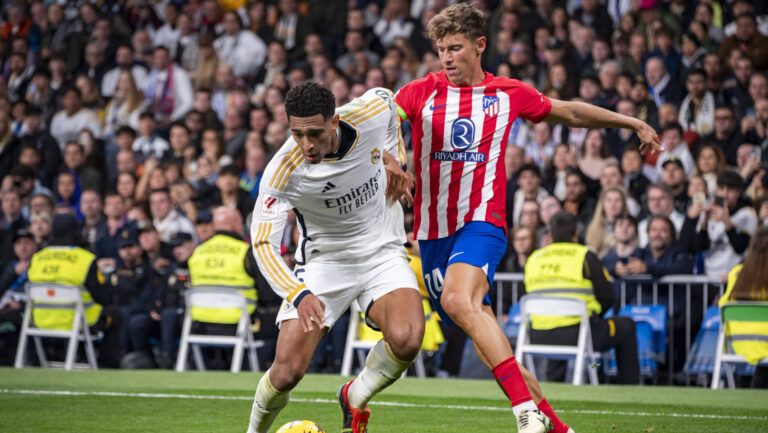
(586, 409)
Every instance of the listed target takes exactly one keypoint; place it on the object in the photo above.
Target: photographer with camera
(722, 227)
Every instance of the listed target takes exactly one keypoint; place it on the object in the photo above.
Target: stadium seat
(59, 297)
(651, 323)
(544, 305)
(218, 297)
(752, 313)
(361, 339)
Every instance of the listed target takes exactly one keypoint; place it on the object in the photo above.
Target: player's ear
(480, 45)
(335, 121)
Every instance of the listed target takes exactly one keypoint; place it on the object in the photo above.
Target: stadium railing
(679, 293)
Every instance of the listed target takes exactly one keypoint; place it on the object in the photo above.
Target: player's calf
(286, 375)
(267, 404)
(382, 368)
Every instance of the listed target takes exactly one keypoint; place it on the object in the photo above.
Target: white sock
(267, 403)
(528, 405)
(382, 368)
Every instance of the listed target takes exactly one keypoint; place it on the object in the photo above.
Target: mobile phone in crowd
(719, 201)
(699, 198)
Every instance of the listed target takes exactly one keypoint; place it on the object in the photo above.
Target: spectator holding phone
(624, 247)
(721, 227)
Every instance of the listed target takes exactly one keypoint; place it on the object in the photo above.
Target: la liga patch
(269, 206)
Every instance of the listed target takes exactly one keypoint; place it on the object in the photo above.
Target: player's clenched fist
(311, 312)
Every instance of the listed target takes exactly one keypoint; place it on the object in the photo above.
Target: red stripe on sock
(508, 375)
(557, 425)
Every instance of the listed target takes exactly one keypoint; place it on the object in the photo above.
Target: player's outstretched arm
(400, 182)
(583, 115)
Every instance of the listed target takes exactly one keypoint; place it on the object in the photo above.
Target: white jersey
(340, 203)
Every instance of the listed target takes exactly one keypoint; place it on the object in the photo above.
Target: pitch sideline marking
(375, 403)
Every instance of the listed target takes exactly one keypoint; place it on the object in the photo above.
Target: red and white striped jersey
(459, 139)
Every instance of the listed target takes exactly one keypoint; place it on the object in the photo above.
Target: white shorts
(338, 283)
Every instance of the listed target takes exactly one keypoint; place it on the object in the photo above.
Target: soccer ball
(300, 427)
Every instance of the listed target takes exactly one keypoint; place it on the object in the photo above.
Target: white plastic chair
(56, 297)
(355, 345)
(553, 306)
(218, 297)
(741, 312)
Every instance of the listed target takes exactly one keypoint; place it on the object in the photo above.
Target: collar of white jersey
(347, 135)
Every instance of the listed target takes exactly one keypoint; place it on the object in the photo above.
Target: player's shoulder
(374, 105)
(283, 164)
(509, 84)
(421, 86)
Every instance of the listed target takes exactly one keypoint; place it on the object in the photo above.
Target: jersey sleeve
(410, 98)
(531, 104)
(268, 223)
(393, 143)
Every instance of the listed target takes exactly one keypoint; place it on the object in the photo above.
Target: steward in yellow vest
(63, 262)
(747, 282)
(566, 269)
(224, 260)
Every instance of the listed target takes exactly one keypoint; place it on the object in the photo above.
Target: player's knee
(285, 376)
(455, 305)
(405, 342)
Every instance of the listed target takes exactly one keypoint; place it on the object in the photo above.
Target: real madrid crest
(375, 156)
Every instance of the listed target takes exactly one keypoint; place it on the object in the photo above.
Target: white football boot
(533, 421)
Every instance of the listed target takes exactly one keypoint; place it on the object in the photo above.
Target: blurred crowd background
(140, 116)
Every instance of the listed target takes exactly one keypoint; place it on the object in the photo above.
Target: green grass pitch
(34, 400)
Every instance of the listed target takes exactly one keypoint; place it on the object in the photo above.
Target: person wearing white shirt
(168, 88)
(240, 49)
(167, 220)
(660, 203)
(675, 147)
(124, 60)
(168, 34)
(73, 118)
(148, 144)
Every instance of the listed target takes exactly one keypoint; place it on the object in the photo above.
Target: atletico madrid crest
(491, 105)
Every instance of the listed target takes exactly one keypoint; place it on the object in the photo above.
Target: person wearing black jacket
(12, 297)
(132, 285)
(164, 318)
(722, 227)
(546, 270)
(46, 145)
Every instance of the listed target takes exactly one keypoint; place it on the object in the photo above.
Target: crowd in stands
(139, 117)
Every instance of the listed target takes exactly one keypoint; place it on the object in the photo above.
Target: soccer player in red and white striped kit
(461, 121)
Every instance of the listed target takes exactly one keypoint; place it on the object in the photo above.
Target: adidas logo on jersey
(328, 186)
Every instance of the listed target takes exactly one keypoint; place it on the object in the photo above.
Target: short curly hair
(308, 99)
(461, 18)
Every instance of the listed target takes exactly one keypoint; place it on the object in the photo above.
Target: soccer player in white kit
(336, 173)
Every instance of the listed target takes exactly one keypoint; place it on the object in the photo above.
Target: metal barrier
(645, 290)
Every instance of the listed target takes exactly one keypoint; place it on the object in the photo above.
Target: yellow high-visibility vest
(219, 262)
(749, 339)
(557, 270)
(62, 265)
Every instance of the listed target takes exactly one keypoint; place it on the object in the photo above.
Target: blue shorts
(478, 243)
